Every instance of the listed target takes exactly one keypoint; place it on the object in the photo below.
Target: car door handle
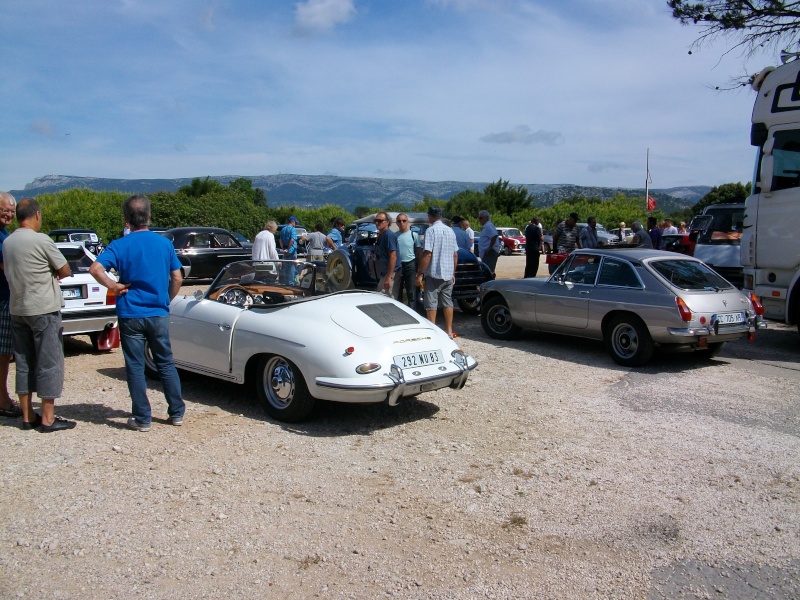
(584, 292)
(223, 326)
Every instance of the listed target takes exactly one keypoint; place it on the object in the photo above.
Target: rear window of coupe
(77, 259)
(689, 275)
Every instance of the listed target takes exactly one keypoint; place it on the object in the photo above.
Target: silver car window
(618, 273)
(582, 269)
(689, 275)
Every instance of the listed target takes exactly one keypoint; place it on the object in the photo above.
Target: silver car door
(201, 332)
(563, 302)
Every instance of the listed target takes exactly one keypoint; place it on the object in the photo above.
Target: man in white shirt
(264, 244)
(669, 228)
(470, 234)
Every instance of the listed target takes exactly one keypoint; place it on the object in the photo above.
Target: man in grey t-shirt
(33, 265)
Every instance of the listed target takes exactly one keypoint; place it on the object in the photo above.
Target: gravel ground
(554, 474)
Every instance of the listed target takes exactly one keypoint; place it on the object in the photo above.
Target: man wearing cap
(438, 267)
(288, 242)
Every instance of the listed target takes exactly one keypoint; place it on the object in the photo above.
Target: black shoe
(36, 422)
(58, 425)
(12, 413)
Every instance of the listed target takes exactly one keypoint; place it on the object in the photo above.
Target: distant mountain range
(309, 191)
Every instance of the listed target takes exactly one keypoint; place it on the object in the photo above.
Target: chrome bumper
(713, 329)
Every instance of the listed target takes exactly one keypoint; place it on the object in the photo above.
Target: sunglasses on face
(379, 221)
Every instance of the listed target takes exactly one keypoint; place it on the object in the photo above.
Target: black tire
(339, 273)
(713, 349)
(282, 390)
(496, 320)
(507, 251)
(470, 306)
(628, 341)
(150, 369)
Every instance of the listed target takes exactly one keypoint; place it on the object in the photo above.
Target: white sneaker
(176, 421)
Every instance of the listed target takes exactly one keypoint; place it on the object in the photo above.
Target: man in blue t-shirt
(288, 241)
(386, 253)
(149, 278)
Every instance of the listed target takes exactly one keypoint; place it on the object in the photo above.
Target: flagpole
(647, 184)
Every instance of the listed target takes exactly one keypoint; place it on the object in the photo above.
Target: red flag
(651, 204)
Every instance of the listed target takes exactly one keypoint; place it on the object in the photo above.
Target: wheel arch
(610, 316)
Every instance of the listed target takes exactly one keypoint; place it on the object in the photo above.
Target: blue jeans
(133, 334)
(289, 270)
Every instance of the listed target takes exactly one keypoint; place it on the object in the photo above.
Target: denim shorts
(438, 293)
(39, 354)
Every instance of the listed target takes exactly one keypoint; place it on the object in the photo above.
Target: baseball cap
(295, 219)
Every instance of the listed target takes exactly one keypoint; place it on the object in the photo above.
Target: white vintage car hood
(369, 318)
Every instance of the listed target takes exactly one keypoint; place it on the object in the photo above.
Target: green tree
(750, 23)
(245, 187)
(729, 193)
(200, 187)
(363, 211)
(506, 199)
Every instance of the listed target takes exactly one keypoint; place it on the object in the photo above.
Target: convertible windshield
(262, 283)
(690, 275)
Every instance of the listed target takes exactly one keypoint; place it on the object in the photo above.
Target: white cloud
(522, 134)
(42, 127)
(321, 15)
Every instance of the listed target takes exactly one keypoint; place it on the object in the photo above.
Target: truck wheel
(629, 342)
(470, 306)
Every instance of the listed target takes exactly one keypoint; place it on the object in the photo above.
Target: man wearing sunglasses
(408, 251)
(386, 253)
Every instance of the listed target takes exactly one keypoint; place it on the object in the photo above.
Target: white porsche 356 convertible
(274, 323)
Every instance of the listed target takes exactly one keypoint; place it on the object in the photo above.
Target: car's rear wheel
(150, 369)
(713, 349)
(629, 342)
(497, 321)
(469, 306)
(340, 275)
(282, 390)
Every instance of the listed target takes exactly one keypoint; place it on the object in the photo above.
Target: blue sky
(532, 91)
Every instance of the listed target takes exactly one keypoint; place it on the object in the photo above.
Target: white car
(299, 344)
(89, 308)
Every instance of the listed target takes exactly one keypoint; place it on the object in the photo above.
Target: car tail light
(111, 298)
(686, 314)
(757, 306)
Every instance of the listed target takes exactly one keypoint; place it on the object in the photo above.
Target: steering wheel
(236, 295)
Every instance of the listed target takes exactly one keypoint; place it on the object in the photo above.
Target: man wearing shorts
(33, 266)
(438, 267)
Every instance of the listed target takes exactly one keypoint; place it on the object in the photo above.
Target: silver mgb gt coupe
(635, 300)
(274, 323)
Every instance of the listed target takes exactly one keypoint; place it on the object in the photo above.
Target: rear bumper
(76, 322)
(719, 333)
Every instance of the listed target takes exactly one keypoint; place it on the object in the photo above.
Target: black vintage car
(353, 265)
(206, 249)
(88, 237)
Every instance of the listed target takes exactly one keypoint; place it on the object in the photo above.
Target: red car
(512, 240)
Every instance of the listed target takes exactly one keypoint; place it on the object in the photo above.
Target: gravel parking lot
(554, 474)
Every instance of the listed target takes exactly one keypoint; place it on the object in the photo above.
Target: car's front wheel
(507, 251)
(497, 321)
(469, 306)
(629, 342)
(282, 390)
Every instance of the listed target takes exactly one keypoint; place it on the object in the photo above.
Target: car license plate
(418, 359)
(70, 293)
(730, 318)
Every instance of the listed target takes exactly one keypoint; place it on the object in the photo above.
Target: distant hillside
(348, 192)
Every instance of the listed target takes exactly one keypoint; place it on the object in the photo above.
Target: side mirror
(767, 165)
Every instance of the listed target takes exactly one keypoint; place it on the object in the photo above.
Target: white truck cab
(770, 243)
